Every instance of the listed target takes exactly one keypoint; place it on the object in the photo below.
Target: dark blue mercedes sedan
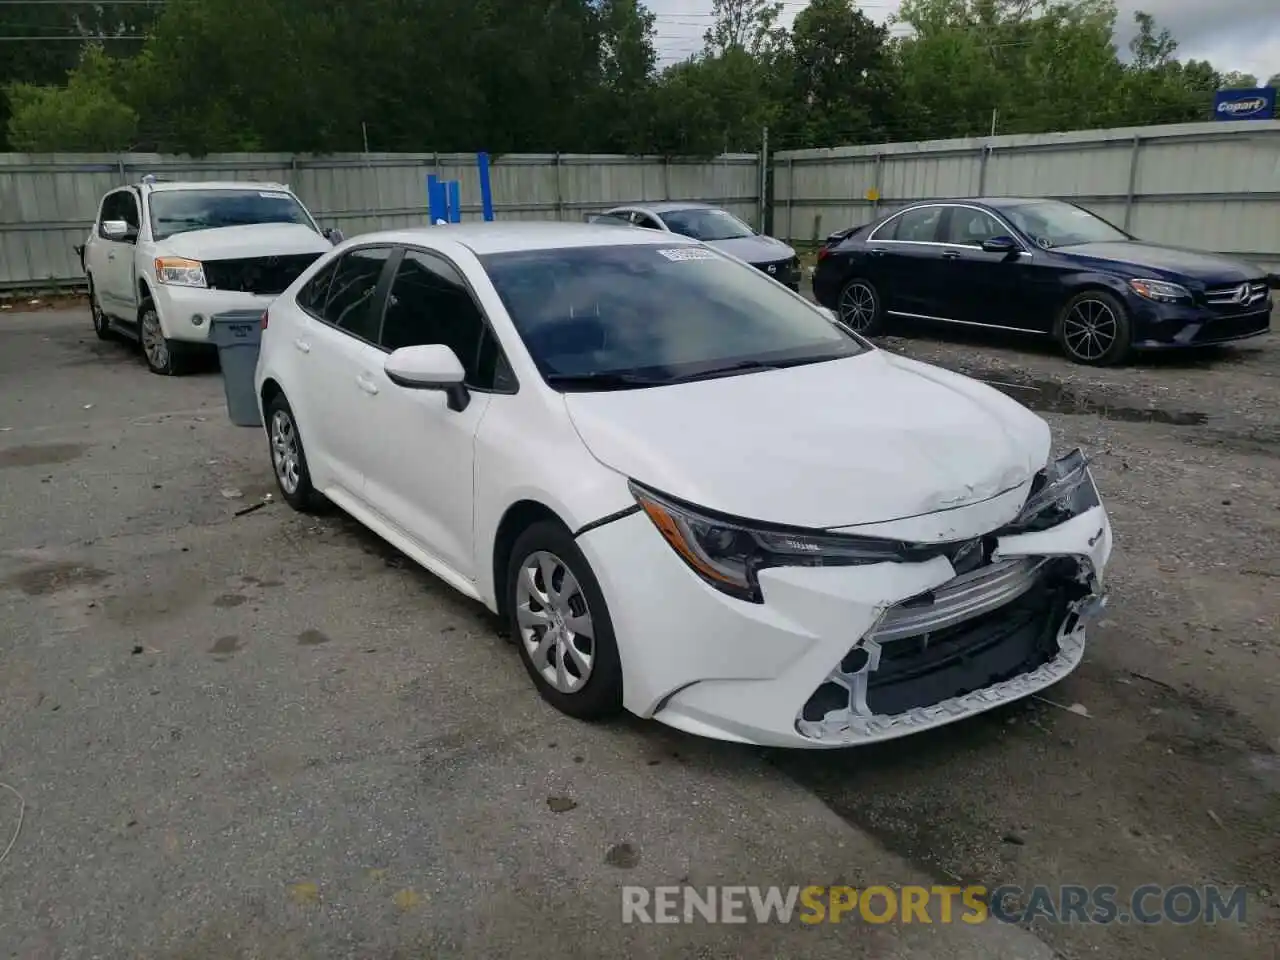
(1038, 266)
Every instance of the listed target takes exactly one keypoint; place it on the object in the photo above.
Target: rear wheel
(1094, 329)
(561, 625)
(101, 322)
(860, 308)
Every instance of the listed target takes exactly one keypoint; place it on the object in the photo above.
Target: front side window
(646, 221)
(181, 211)
(648, 314)
(315, 292)
(1052, 223)
(349, 305)
(972, 228)
(914, 226)
(120, 205)
(429, 302)
(706, 224)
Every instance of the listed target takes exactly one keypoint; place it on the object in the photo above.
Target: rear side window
(349, 305)
(914, 226)
(313, 295)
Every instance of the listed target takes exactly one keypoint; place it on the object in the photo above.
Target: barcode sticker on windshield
(687, 253)
(274, 195)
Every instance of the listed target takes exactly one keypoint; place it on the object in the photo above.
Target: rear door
(992, 289)
(340, 344)
(906, 262)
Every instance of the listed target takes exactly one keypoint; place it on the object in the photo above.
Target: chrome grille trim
(963, 598)
(1226, 296)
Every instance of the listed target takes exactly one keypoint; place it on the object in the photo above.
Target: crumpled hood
(253, 240)
(862, 440)
(1171, 263)
(754, 249)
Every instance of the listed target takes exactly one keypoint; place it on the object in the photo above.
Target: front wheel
(1094, 329)
(163, 355)
(860, 307)
(289, 459)
(561, 625)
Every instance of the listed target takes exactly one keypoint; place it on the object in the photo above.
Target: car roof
(510, 236)
(166, 185)
(666, 206)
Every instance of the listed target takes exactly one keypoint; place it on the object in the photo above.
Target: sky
(1231, 34)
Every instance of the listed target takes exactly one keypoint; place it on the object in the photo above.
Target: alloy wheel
(284, 452)
(154, 344)
(554, 622)
(1090, 329)
(857, 306)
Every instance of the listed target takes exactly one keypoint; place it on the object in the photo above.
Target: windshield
(646, 314)
(702, 223)
(180, 211)
(1052, 223)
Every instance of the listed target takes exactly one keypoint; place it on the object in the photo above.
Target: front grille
(1241, 296)
(783, 270)
(269, 276)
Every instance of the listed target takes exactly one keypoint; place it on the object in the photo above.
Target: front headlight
(729, 554)
(1062, 490)
(180, 272)
(1160, 291)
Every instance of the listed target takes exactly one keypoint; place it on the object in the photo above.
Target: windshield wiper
(603, 381)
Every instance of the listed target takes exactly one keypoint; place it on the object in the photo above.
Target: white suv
(164, 257)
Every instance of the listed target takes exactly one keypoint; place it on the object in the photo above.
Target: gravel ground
(265, 735)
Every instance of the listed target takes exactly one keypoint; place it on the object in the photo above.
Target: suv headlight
(1160, 290)
(729, 553)
(180, 272)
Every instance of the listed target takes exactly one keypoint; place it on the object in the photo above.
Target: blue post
(433, 214)
(455, 201)
(486, 191)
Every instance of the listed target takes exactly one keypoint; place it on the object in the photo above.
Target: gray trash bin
(237, 335)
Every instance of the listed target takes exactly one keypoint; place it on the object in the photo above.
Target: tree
(1151, 48)
(1235, 80)
(748, 25)
(1273, 80)
(84, 116)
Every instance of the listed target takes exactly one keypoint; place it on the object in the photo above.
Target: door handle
(876, 252)
(950, 254)
(111, 255)
(302, 346)
(367, 385)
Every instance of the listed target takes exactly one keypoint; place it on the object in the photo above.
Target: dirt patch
(41, 454)
(48, 578)
(1054, 397)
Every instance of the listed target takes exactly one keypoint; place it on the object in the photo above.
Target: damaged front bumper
(839, 656)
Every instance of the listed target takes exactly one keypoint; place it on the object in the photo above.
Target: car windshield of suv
(639, 315)
(703, 223)
(1052, 223)
(180, 211)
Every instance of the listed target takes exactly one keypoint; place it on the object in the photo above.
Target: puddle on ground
(49, 578)
(40, 454)
(1052, 397)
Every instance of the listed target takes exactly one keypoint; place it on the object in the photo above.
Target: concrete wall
(1211, 186)
(48, 202)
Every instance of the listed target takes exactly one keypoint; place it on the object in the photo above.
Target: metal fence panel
(49, 201)
(1211, 186)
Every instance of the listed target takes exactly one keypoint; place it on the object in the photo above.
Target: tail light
(265, 318)
(823, 253)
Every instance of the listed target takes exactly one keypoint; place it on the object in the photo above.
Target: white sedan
(690, 492)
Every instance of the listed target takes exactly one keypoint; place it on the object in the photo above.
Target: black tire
(1084, 324)
(600, 695)
(163, 356)
(299, 493)
(852, 307)
(101, 322)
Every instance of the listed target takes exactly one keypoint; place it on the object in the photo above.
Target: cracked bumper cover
(716, 666)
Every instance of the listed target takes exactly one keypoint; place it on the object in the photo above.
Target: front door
(111, 260)
(991, 289)
(421, 477)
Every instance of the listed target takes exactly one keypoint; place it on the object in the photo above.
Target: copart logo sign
(1245, 104)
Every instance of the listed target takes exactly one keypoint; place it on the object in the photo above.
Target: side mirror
(430, 366)
(116, 230)
(1000, 245)
(334, 235)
